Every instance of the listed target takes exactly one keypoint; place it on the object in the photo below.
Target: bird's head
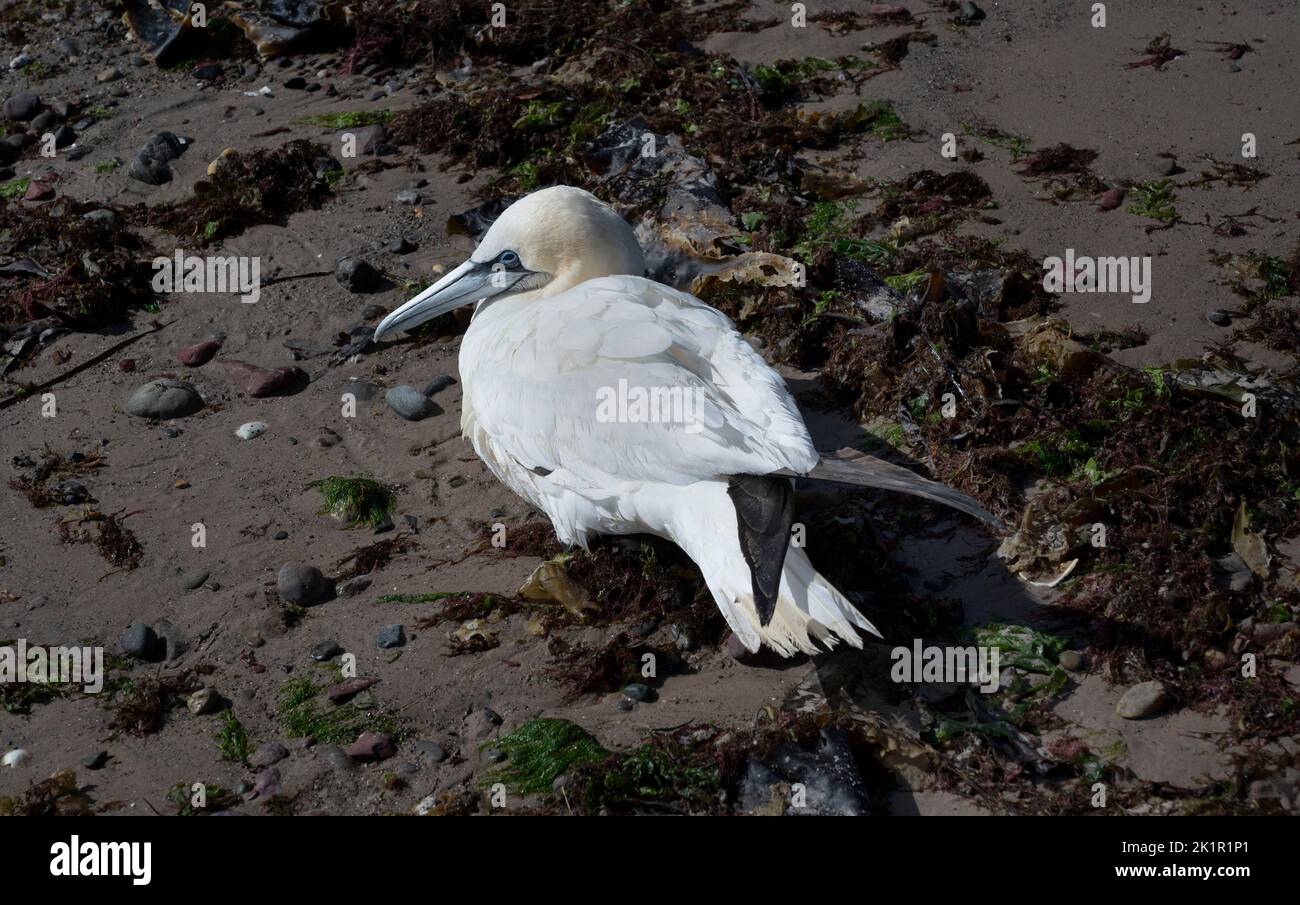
(541, 245)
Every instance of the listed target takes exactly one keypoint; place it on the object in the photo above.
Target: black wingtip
(764, 513)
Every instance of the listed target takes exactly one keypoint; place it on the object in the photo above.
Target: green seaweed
(349, 120)
(355, 500)
(233, 738)
(303, 715)
(541, 750)
(1154, 199)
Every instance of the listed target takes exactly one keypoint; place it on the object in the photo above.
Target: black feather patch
(764, 514)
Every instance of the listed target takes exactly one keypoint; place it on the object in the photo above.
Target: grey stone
(22, 107)
(194, 580)
(356, 274)
(302, 584)
(326, 650)
(164, 399)
(438, 384)
(268, 754)
(140, 641)
(409, 403)
(391, 636)
(1142, 700)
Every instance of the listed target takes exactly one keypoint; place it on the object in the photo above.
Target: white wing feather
(542, 365)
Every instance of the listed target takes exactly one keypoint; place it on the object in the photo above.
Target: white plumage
(563, 316)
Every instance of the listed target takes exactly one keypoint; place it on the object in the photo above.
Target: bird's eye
(509, 259)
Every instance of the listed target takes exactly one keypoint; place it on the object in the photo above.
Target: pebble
(205, 700)
(402, 246)
(261, 382)
(297, 83)
(111, 74)
(268, 754)
(353, 586)
(326, 650)
(16, 758)
(95, 761)
(432, 751)
(391, 636)
(250, 430)
(101, 216)
(194, 580)
(141, 641)
(638, 691)
(438, 384)
(22, 107)
(409, 403)
(494, 755)
(164, 399)
(371, 746)
(302, 584)
(1142, 700)
(151, 163)
(356, 274)
(336, 757)
(172, 639)
(1219, 318)
(408, 196)
(1070, 660)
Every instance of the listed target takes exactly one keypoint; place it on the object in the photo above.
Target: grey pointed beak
(468, 283)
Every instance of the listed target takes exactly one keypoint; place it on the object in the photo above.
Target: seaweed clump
(85, 273)
(248, 189)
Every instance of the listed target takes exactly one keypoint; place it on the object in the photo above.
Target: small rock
(101, 216)
(408, 196)
(1142, 700)
(95, 761)
(297, 83)
(1070, 660)
(303, 584)
(402, 246)
(207, 72)
(326, 650)
(349, 689)
(140, 641)
(199, 353)
(494, 755)
(164, 399)
(22, 107)
(261, 382)
(250, 430)
(638, 692)
(151, 163)
(111, 74)
(16, 758)
(354, 586)
(336, 757)
(409, 403)
(391, 636)
(438, 384)
(1219, 318)
(372, 746)
(194, 580)
(356, 274)
(432, 751)
(171, 638)
(1110, 199)
(205, 700)
(268, 754)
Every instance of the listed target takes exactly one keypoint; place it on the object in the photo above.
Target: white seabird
(565, 332)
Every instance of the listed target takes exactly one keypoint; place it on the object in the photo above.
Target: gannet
(566, 336)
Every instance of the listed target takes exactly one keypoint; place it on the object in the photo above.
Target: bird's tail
(808, 608)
